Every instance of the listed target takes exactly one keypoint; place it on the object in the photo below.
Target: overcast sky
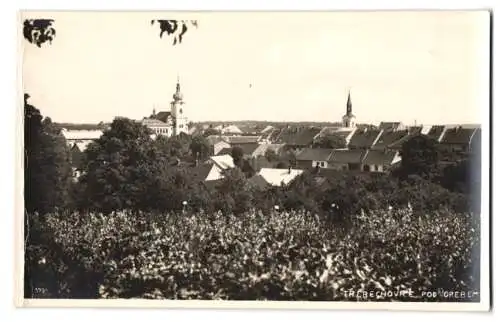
(429, 67)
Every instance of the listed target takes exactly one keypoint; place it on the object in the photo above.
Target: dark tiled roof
(309, 154)
(379, 157)
(415, 129)
(274, 134)
(162, 116)
(347, 156)
(436, 131)
(301, 136)
(389, 137)
(457, 136)
(389, 125)
(398, 144)
(363, 140)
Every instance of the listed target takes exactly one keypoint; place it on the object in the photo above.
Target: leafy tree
(234, 192)
(39, 31)
(419, 157)
(47, 170)
(175, 28)
(237, 154)
(271, 155)
(177, 148)
(200, 148)
(211, 131)
(123, 167)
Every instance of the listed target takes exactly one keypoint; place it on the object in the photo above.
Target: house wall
(373, 168)
(338, 166)
(321, 164)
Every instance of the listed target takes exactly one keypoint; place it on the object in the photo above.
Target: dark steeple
(349, 104)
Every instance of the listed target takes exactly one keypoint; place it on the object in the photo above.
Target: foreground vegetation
(277, 256)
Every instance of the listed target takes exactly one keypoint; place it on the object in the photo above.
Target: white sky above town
(428, 67)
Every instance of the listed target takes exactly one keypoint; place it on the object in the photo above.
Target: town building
(311, 158)
(458, 139)
(380, 161)
(169, 123)
(346, 159)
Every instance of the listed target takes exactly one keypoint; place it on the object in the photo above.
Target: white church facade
(169, 123)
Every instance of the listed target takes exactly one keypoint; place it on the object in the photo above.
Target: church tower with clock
(180, 123)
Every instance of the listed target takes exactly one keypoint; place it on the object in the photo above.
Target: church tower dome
(178, 95)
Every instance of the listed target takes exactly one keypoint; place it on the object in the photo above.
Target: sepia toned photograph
(254, 159)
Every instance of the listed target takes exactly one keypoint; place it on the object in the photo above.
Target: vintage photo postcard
(305, 160)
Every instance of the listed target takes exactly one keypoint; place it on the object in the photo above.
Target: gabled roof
(310, 154)
(458, 136)
(347, 156)
(262, 149)
(224, 161)
(276, 177)
(364, 139)
(298, 135)
(380, 157)
(389, 137)
(76, 156)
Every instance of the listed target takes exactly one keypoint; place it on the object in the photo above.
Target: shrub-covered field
(277, 256)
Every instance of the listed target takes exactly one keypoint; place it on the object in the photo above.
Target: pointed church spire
(349, 104)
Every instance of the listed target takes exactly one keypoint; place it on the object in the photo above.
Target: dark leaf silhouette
(39, 31)
(175, 28)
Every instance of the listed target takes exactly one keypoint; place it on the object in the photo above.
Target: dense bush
(278, 256)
